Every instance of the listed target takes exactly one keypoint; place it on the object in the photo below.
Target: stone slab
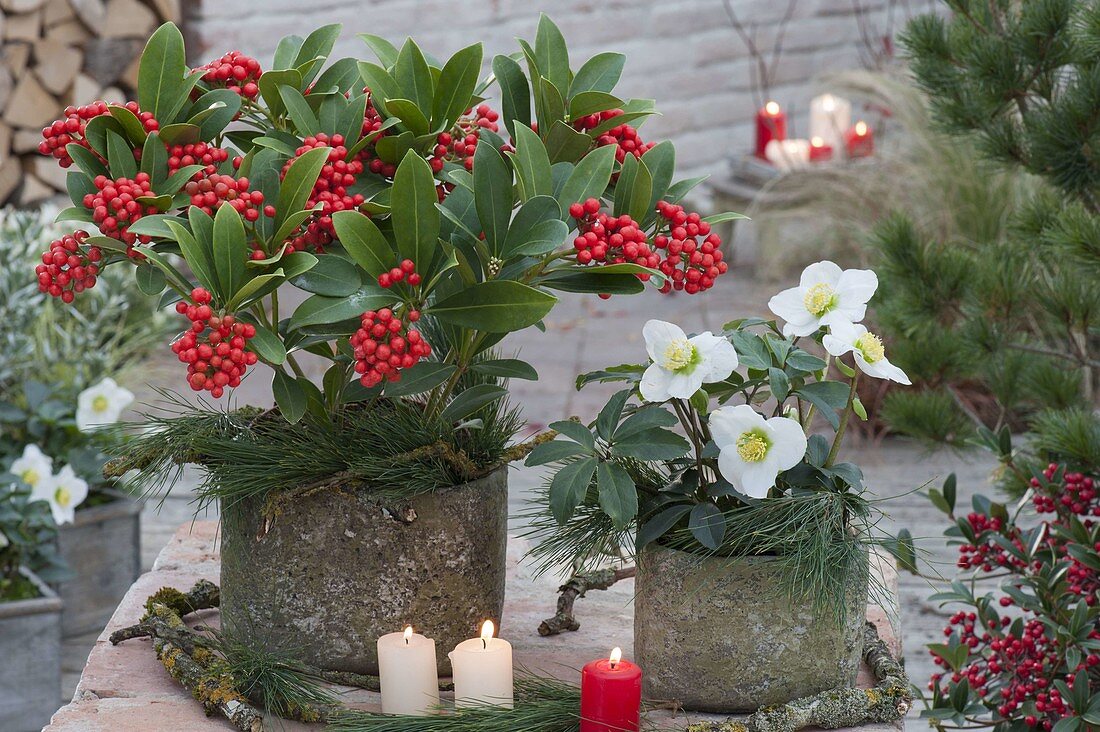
(125, 688)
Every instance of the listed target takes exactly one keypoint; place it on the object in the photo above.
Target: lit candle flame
(487, 629)
(828, 103)
(817, 142)
(616, 656)
(772, 108)
(408, 633)
(861, 128)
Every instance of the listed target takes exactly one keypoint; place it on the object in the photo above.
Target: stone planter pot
(30, 673)
(103, 548)
(327, 572)
(717, 634)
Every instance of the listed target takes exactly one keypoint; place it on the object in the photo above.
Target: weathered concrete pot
(717, 634)
(103, 549)
(329, 571)
(30, 670)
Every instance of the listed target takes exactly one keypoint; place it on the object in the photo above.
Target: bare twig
(577, 586)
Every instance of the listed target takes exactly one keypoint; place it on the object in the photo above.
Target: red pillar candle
(860, 140)
(771, 124)
(819, 151)
(611, 695)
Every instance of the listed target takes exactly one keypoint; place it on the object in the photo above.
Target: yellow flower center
(30, 476)
(819, 299)
(62, 497)
(678, 355)
(752, 447)
(100, 404)
(870, 345)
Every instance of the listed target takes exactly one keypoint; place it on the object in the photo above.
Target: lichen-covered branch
(577, 586)
(888, 701)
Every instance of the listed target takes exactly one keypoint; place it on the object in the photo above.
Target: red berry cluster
(68, 267)
(460, 143)
(331, 191)
(234, 71)
(115, 206)
(407, 271)
(1074, 493)
(198, 153)
(71, 129)
(624, 136)
(380, 349)
(608, 239)
(986, 554)
(211, 192)
(214, 347)
(691, 265)
(372, 122)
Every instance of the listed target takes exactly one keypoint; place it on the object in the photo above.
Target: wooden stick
(577, 586)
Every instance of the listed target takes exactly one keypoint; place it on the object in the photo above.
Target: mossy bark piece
(719, 634)
(325, 572)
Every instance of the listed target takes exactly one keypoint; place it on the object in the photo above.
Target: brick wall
(683, 53)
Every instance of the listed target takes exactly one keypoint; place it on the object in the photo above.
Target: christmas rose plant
(420, 225)
(712, 446)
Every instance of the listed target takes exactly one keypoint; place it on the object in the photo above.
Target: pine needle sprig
(541, 705)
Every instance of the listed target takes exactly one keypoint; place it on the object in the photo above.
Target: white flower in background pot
(64, 492)
(680, 364)
(754, 450)
(4, 540)
(101, 404)
(33, 467)
(825, 295)
(867, 349)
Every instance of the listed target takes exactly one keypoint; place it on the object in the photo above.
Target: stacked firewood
(56, 53)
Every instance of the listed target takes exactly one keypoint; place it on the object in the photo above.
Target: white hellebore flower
(64, 492)
(867, 349)
(101, 404)
(825, 295)
(4, 542)
(33, 467)
(753, 450)
(680, 364)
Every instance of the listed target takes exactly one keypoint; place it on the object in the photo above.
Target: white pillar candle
(482, 670)
(407, 674)
(830, 118)
(788, 154)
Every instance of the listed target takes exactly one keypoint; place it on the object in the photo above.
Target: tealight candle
(611, 695)
(771, 124)
(407, 675)
(830, 117)
(860, 140)
(819, 150)
(482, 670)
(788, 154)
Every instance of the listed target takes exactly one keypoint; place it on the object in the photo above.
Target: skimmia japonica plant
(744, 473)
(422, 223)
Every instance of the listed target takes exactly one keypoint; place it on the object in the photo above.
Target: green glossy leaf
(591, 102)
(230, 249)
(211, 118)
(609, 416)
(269, 84)
(86, 160)
(600, 73)
(470, 400)
(455, 90)
(289, 395)
(414, 212)
(267, 346)
(120, 156)
(554, 451)
(154, 160)
(413, 76)
(317, 44)
(298, 183)
(551, 53)
(575, 431)
(661, 524)
(506, 368)
(707, 525)
(420, 378)
(322, 310)
(161, 72)
(569, 486)
(651, 444)
(150, 280)
(589, 178)
(381, 84)
(364, 242)
(498, 306)
(618, 495)
(532, 165)
(332, 276)
(197, 254)
(409, 114)
(492, 195)
(566, 145)
(301, 114)
(181, 133)
(131, 125)
(383, 49)
(515, 93)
